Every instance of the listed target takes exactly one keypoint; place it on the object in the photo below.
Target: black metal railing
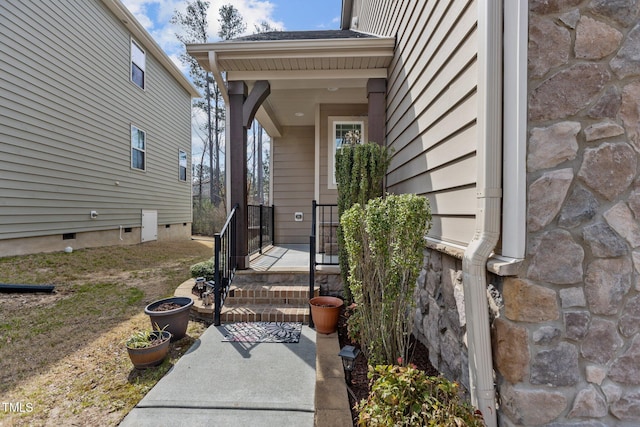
(324, 224)
(225, 262)
(261, 227)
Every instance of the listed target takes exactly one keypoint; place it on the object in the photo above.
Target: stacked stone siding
(566, 341)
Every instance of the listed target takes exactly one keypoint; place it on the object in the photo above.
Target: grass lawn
(62, 354)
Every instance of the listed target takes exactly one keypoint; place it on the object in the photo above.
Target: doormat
(278, 332)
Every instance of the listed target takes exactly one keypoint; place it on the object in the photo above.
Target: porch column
(238, 169)
(242, 110)
(376, 92)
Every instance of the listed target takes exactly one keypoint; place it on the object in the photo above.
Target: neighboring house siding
(292, 175)
(431, 106)
(66, 107)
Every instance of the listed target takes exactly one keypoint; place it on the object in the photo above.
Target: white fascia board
(379, 73)
(369, 46)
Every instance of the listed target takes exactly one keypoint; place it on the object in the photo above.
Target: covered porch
(306, 89)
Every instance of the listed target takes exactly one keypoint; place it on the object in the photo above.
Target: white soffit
(300, 72)
(298, 55)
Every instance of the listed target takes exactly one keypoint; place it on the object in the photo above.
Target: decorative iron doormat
(278, 332)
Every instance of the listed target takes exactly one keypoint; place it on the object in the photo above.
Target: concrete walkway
(250, 384)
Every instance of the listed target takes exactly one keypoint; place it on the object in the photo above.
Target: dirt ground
(63, 357)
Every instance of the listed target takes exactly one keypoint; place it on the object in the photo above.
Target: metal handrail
(312, 257)
(225, 262)
(261, 229)
(313, 262)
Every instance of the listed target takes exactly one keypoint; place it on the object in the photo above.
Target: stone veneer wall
(566, 340)
(440, 317)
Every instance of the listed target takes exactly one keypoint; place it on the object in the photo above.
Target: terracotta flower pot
(174, 320)
(325, 312)
(147, 357)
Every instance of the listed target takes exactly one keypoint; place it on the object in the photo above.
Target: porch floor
(282, 258)
(289, 257)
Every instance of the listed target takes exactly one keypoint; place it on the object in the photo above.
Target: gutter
(346, 14)
(217, 75)
(489, 197)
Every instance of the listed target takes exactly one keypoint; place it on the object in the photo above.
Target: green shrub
(385, 243)
(203, 269)
(406, 396)
(360, 170)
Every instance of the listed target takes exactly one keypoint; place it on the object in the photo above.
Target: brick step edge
(240, 301)
(265, 313)
(271, 277)
(271, 291)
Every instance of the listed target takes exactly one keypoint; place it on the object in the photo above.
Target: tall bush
(360, 170)
(384, 242)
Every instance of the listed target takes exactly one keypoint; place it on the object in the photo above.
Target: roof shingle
(304, 35)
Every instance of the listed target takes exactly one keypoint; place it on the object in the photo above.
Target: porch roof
(304, 69)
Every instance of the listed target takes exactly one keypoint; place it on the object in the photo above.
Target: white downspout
(489, 194)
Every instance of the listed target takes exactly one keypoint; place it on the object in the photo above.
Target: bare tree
(194, 25)
(231, 25)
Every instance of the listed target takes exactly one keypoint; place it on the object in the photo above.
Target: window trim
(186, 164)
(132, 63)
(331, 146)
(143, 150)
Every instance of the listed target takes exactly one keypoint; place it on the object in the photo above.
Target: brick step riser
(259, 290)
(299, 292)
(235, 301)
(271, 279)
(263, 317)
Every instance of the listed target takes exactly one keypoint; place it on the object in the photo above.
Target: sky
(287, 15)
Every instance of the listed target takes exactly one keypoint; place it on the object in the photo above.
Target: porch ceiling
(302, 72)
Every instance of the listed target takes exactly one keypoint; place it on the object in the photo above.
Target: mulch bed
(359, 381)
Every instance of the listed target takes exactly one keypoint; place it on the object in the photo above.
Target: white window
(137, 64)
(182, 165)
(138, 149)
(342, 129)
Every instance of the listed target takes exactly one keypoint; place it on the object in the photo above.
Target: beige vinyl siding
(66, 106)
(292, 175)
(431, 105)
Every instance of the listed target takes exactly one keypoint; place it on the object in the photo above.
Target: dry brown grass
(63, 358)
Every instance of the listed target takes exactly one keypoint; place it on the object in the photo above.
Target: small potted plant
(171, 314)
(325, 312)
(148, 348)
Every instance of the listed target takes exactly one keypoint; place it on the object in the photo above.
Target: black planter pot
(175, 320)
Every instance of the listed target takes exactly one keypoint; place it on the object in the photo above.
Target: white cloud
(154, 16)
